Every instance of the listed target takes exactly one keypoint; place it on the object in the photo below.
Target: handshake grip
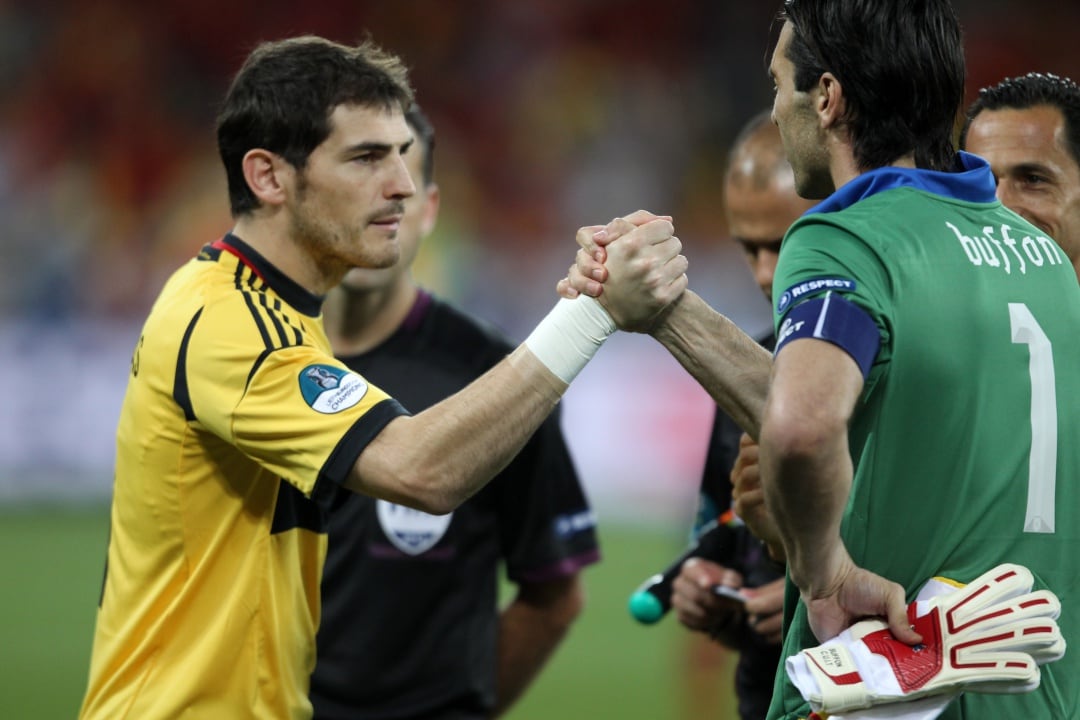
(717, 542)
(989, 636)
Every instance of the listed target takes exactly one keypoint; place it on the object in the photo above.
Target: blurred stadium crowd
(550, 114)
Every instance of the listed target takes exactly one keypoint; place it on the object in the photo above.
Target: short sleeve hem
(337, 467)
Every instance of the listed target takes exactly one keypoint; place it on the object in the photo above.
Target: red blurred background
(549, 115)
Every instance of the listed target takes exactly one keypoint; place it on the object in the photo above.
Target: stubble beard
(319, 243)
(334, 250)
(813, 182)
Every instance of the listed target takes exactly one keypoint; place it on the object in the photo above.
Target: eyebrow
(1029, 167)
(376, 147)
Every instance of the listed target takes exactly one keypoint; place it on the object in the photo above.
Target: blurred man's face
(417, 221)
(758, 217)
(1037, 176)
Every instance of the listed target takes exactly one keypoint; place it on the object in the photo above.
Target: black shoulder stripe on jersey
(341, 460)
(254, 281)
(255, 367)
(180, 386)
(286, 332)
(259, 322)
(279, 312)
(298, 333)
(209, 252)
(275, 317)
(292, 510)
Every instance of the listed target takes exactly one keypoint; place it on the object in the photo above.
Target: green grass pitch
(609, 667)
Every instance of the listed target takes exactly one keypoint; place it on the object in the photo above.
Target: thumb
(897, 615)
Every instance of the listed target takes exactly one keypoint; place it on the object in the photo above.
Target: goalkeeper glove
(989, 636)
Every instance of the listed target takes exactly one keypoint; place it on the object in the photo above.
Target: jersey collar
(972, 181)
(279, 282)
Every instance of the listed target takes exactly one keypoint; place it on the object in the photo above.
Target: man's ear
(431, 209)
(268, 175)
(830, 102)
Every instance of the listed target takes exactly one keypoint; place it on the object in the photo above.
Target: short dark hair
(282, 97)
(425, 139)
(1021, 93)
(901, 66)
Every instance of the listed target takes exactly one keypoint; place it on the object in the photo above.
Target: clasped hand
(633, 266)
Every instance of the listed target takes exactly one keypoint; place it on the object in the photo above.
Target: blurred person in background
(761, 204)
(410, 625)
(239, 427)
(1028, 129)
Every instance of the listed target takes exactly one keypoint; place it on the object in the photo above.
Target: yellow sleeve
(295, 410)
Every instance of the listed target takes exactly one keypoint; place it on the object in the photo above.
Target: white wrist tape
(570, 335)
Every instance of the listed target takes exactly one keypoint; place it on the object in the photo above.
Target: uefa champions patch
(811, 287)
(329, 389)
(411, 531)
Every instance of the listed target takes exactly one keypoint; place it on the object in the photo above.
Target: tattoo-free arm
(531, 627)
(804, 455)
(731, 366)
(437, 459)
(807, 474)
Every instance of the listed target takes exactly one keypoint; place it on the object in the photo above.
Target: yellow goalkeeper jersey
(237, 429)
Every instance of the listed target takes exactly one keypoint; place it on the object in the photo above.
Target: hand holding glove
(988, 636)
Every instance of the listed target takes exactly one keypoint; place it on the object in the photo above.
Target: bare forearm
(727, 362)
(806, 466)
(529, 632)
(438, 458)
(807, 496)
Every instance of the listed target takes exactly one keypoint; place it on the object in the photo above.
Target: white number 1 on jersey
(1042, 461)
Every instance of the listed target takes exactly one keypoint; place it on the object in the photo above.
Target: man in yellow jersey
(238, 425)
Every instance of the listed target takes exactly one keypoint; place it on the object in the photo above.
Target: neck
(357, 321)
(844, 169)
(270, 238)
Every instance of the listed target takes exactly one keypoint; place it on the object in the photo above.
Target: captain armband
(836, 319)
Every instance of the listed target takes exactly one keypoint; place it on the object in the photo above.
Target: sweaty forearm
(727, 362)
(438, 458)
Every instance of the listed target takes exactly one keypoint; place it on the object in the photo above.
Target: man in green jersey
(924, 370)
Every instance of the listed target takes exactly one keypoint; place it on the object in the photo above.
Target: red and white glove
(989, 636)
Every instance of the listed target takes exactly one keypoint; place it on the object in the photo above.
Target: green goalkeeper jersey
(963, 438)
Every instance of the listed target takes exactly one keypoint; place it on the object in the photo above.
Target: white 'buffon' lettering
(989, 250)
